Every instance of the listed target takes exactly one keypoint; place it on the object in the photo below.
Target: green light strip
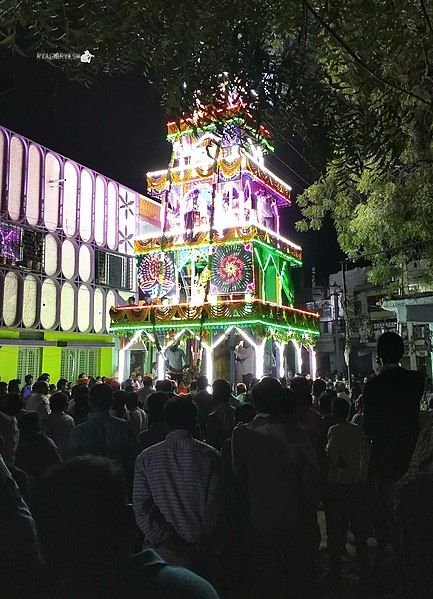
(185, 324)
(272, 250)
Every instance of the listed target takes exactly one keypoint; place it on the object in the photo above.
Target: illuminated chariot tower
(219, 271)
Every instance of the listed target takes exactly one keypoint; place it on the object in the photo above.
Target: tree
(350, 80)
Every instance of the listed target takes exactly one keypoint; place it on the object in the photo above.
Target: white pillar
(161, 366)
(313, 363)
(260, 358)
(298, 348)
(281, 371)
(209, 363)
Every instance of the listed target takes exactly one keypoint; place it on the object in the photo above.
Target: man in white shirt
(38, 401)
(245, 362)
(176, 361)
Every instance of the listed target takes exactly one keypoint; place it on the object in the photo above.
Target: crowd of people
(134, 490)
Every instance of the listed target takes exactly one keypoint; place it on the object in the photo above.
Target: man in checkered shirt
(178, 492)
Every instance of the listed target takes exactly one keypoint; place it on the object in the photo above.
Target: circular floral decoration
(232, 270)
(156, 276)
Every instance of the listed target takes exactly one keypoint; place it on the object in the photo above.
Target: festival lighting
(219, 263)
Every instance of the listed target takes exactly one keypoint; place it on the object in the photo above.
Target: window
(75, 361)
(29, 362)
(113, 270)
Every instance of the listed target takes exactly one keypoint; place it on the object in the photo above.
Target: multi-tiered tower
(220, 267)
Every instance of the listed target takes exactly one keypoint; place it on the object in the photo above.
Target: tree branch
(426, 15)
(359, 60)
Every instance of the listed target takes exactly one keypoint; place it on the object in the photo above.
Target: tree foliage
(351, 79)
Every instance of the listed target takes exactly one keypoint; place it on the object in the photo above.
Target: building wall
(66, 252)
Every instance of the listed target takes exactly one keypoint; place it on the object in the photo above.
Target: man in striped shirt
(177, 493)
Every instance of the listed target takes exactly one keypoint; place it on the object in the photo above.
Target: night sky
(117, 127)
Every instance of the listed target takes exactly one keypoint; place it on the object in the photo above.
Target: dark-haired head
(325, 402)
(221, 390)
(155, 406)
(202, 382)
(101, 397)
(319, 387)
(390, 348)
(180, 414)
(131, 400)
(41, 386)
(268, 396)
(340, 409)
(302, 390)
(29, 423)
(59, 402)
(164, 385)
(62, 384)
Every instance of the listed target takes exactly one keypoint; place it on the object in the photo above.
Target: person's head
(127, 387)
(325, 402)
(244, 413)
(319, 387)
(59, 402)
(12, 404)
(340, 409)
(41, 387)
(173, 386)
(202, 382)
(103, 379)
(164, 385)
(28, 380)
(14, 386)
(155, 406)
(92, 382)
(268, 396)
(83, 521)
(175, 346)
(52, 388)
(147, 381)
(302, 390)
(80, 391)
(82, 375)
(221, 390)
(3, 388)
(241, 388)
(62, 385)
(101, 397)
(45, 376)
(180, 414)
(29, 423)
(193, 385)
(119, 401)
(390, 348)
(131, 300)
(132, 400)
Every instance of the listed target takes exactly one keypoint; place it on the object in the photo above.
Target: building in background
(66, 256)
(367, 320)
(371, 312)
